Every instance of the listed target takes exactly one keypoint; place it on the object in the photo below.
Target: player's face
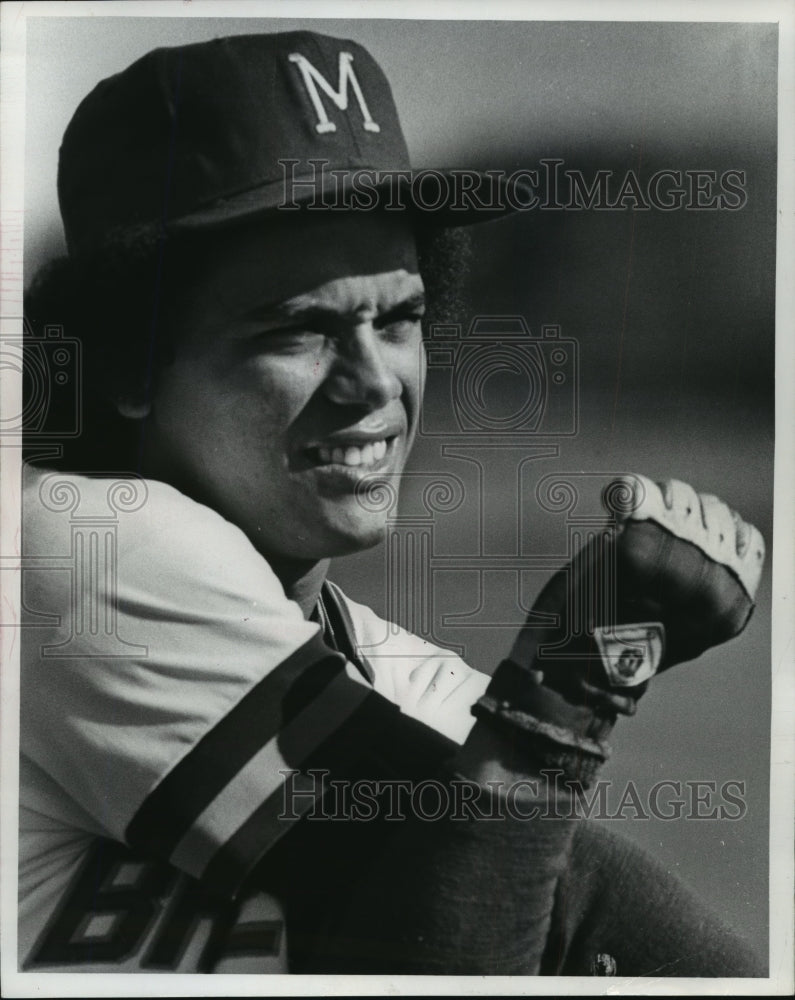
(275, 414)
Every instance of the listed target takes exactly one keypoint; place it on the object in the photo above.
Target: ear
(132, 408)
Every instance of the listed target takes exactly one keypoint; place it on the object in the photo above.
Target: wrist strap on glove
(560, 734)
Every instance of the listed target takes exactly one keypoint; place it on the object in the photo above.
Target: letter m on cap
(347, 78)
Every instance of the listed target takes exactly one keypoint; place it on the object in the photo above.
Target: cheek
(412, 371)
(272, 393)
(218, 400)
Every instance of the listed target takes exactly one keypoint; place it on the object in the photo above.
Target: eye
(289, 340)
(401, 325)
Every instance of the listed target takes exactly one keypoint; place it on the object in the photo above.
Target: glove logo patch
(631, 654)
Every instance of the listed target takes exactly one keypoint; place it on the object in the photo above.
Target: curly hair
(122, 307)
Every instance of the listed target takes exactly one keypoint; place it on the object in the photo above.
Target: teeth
(353, 455)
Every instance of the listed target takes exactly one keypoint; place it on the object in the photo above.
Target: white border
(12, 83)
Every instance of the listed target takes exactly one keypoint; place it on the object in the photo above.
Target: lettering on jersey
(347, 78)
(116, 899)
(228, 936)
(107, 910)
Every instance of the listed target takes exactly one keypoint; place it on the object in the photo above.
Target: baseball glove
(673, 574)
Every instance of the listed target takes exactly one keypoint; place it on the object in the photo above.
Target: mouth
(365, 455)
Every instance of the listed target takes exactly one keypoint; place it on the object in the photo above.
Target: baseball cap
(210, 133)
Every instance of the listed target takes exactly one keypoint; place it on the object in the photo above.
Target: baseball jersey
(171, 697)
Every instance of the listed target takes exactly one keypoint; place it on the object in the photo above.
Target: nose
(361, 374)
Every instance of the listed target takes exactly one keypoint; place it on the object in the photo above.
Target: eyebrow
(297, 310)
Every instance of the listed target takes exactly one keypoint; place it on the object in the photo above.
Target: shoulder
(157, 538)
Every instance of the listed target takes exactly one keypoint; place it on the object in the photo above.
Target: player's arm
(477, 897)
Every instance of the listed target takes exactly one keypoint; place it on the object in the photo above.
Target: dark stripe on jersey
(376, 742)
(233, 861)
(184, 793)
(342, 626)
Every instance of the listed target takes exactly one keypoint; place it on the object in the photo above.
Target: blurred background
(672, 314)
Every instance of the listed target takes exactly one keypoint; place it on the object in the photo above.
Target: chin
(350, 545)
(345, 540)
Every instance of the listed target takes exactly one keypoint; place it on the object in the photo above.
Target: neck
(301, 580)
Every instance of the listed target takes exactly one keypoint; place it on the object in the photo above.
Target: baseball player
(194, 688)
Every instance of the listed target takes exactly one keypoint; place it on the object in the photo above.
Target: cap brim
(438, 198)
